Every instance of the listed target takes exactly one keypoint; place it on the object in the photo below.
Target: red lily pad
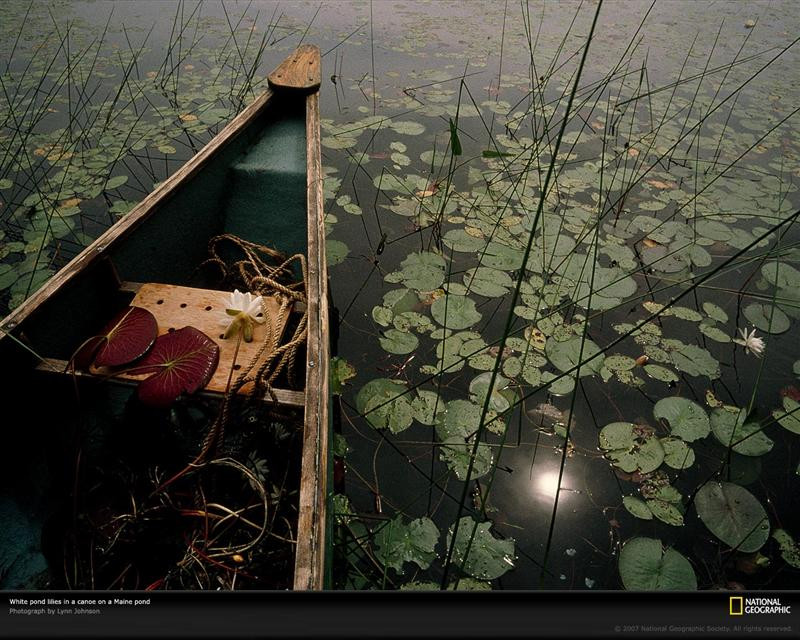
(126, 338)
(182, 361)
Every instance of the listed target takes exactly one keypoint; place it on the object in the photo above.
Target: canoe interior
(255, 187)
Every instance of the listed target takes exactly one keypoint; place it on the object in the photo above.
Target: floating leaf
(687, 419)
(767, 318)
(5, 183)
(637, 507)
(501, 396)
(408, 127)
(661, 373)
(455, 312)
(341, 372)
(457, 453)
(696, 361)
(789, 418)
(336, 251)
(790, 550)
(566, 355)
(384, 404)
(746, 438)
(423, 271)
(733, 515)
(398, 342)
(182, 361)
(397, 543)
(666, 512)
(644, 565)
(116, 181)
(782, 275)
(428, 407)
(677, 454)
(488, 557)
(631, 448)
(714, 312)
(126, 338)
(714, 332)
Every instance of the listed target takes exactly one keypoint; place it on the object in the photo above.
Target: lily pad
(423, 271)
(677, 454)
(428, 407)
(126, 338)
(782, 275)
(565, 355)
(790, 550)
(645, 565)
(733, 515)
(182, 361)
(384, 404)
(746, 438)
(658, 372)
(637, 507)
(789, 418)
(456, 453)
(767, 318)
(687, 419)
(488, 557)
(666, 512)
(714, 312)
(398, 342)
(341, 372)
(696, 361)
(455, 312)
(501, 396)
(631, 448)
(397, 542)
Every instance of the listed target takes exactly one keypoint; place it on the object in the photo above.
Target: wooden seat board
(175, 307)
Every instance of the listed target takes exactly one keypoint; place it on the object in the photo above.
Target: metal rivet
(310, 364)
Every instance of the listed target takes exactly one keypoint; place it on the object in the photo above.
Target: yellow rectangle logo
(737, 605)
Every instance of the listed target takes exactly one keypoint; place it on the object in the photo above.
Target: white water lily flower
(245, 309)
(750, 342)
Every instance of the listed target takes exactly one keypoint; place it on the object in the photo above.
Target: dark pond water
(673, 183)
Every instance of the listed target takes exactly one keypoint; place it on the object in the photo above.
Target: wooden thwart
(176, 307)
(300, 71)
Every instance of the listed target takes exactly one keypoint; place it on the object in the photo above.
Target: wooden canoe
(259, 178)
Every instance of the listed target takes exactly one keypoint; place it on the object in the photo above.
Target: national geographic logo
(739, 605)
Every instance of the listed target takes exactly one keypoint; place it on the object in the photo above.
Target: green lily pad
(747, 438)
(677, 454)
(696, 361)
(397, 543)
(488, 557)
(336, 251)
(5, 183)
(116, 182)
(341, 372)
(666, 512)
(631, 448)
(637, 507)
(565, 355)
(382, 402)
(687, 419)
(398, 342)
(501, 396)
(408, 127)
(790, 550)
(658, 372)
(423, 271)
(782, 275)
(428, 407)
(789, 418)
(455, 312)
(488, 282)
(733, 515)
(456, 454)
(645, 565)
(767, 318)
(714, 312)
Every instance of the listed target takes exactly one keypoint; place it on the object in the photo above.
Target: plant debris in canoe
(182, 361)
(126, 338)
